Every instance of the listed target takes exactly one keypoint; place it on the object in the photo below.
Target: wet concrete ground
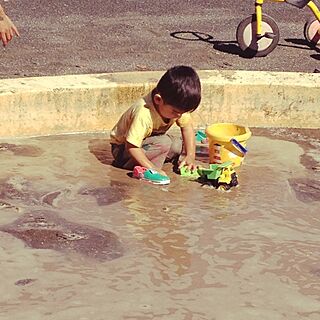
(80, 239)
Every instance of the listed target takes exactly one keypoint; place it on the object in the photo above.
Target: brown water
(83, 240)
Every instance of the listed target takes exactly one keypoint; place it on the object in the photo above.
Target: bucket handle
(239, 146)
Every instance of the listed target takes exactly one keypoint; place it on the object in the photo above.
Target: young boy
(139, 137)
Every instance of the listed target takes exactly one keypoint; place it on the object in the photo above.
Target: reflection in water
(160, 227)
(190, 252)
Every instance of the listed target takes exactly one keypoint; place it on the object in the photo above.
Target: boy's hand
(161, 172)
(140, 157)
(189, 162)
(188, 137)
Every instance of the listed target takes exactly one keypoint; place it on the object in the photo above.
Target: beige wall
(82, 103)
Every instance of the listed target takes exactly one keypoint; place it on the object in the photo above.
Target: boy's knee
(156, 148)
(161, 142)
(176, 146)
(175, 150)
(164, 140)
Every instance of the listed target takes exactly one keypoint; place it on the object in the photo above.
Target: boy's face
(166, 110)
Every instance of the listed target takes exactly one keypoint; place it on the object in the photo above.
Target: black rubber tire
(306, 32)
(246, 36)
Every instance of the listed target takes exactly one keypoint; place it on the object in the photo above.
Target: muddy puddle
(80, 239)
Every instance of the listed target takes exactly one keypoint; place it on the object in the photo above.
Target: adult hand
(7, 28)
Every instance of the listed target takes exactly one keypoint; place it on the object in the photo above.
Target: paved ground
(80, 36)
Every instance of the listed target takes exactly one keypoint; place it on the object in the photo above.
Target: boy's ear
(158, 99)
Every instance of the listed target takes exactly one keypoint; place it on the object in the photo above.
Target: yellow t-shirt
(142, 120)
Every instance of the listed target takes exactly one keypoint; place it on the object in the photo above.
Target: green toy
(221, 176)
(185, 172)
(214, 171)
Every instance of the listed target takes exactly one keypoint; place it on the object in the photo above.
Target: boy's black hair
(180, 87)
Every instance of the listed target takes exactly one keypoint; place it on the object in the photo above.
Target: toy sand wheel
(250, 43)
(312, 32)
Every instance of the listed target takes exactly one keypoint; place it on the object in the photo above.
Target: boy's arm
(139, 156)
(7, 28)
(189, 141)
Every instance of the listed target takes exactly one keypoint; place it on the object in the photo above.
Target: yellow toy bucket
(227, 142)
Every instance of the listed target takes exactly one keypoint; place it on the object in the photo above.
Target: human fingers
(192, 167)
(162, 173)
(12, 27)
(9, 35)
(11, 32)
(182, 164)
(15, 30)
(3, 38)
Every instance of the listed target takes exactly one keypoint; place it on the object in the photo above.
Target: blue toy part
(239, 146)
(200, 136)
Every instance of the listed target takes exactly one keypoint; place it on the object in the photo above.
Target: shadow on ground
(101, 149)
(316, 56)
(232, 47)
(223, 46)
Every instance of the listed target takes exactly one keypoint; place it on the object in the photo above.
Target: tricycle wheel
(312, 32)
(252, 45)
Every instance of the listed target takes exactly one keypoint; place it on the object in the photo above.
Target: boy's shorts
(166, 147)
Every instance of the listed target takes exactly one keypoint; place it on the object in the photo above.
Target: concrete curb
(89, 103)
